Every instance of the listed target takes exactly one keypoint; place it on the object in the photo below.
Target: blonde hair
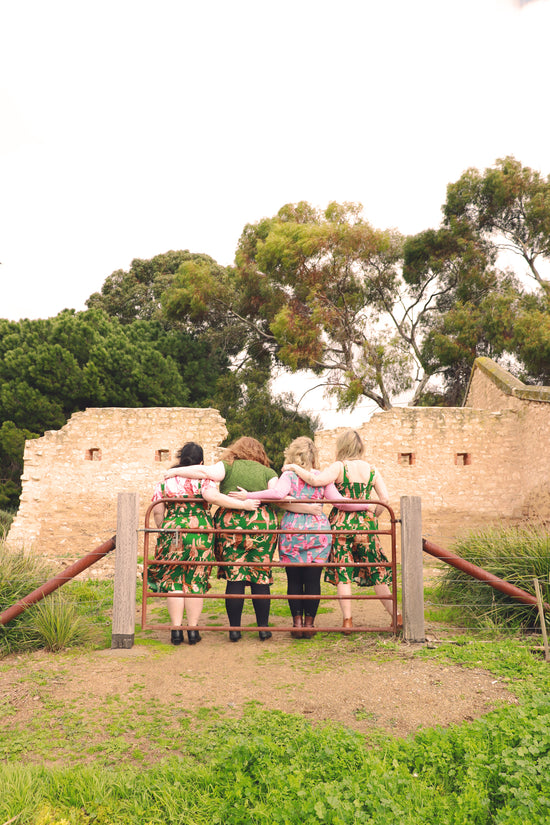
(302, 451)
(349, 445)
(246, 449)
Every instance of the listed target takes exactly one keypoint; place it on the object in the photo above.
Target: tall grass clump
(52, 624)
(6, 519)
(517, 555)
(58, 624)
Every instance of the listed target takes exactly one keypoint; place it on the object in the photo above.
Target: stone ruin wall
(479, 464)
(494, 389)
(72, 476)
(454, 459)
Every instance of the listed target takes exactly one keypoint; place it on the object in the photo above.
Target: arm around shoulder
(380, 492)
(214, 471)
(321, 479)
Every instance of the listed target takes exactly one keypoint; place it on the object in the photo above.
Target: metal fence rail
(148, 562)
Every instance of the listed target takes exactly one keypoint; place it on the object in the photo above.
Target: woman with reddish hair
(243, 464)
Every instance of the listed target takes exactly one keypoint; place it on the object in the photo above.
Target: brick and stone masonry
(484, 463)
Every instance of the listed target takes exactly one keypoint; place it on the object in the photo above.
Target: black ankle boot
(264, 634)
(193, 636)
(234, 635)
(176, 637)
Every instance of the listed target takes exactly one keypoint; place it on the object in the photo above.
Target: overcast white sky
(132, 127)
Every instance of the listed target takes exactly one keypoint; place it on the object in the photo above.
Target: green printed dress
(244, 548)
(182, 545)
(356, 547)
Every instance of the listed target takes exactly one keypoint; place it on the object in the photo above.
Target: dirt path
(362, 681)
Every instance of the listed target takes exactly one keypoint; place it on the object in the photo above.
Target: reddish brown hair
(246, 449)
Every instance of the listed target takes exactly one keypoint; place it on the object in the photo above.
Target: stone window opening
(162, 455)
(406, 459)
(93, 454)
(463, 459)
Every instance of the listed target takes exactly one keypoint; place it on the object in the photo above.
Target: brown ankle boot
(297, 622)
(347, 624)
(308, 634)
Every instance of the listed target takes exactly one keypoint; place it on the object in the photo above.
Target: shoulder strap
(345, 479)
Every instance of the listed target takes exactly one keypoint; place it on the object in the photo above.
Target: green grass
(75, 615)
(133, 760)
(517, 555)
(202, 767)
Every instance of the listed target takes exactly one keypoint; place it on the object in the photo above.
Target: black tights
(234, 607)
(304, 581)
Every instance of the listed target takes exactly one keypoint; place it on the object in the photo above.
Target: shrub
(6, 519)
(53, 623)
(516, 554)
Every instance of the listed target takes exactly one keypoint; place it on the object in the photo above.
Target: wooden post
(540, 606)
(412, 573)
(124, 598)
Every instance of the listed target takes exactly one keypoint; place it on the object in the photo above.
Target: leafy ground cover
(333, 730)
(129, 757)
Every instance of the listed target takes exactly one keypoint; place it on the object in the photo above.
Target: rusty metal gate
(148, 562)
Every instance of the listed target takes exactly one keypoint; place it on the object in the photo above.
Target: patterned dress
(245, 548)
(182, 545)
(356, 547)
(308, 547)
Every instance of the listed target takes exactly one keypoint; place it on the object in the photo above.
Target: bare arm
(158, 514)
(343, 503)
(213, 496)
(214, 471)
(275, 493)
(381, 492)
(321, 479)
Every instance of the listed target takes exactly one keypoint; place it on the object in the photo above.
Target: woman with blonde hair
(353, 476)
(309, 547)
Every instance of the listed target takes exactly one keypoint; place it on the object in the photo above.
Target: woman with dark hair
(243, 464)
(182, 545)
(310, 547)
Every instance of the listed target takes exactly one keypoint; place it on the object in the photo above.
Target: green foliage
(275, 767)
(245, 400)
(136, 294)
(517, 555)
(12, 446)
(52, 368)
(309, 290)
(508, 204)
(58, 624)
(6, 519)
(479, 309)
(54, 623)
(20, 574)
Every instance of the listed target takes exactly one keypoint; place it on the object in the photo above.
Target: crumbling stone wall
(493, 388)
(454, 458)
(473, 465)
(72, 476)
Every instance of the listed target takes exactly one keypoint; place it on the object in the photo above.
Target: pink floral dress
(307, 547)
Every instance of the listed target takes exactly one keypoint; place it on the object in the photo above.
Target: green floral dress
(356, 546)
(244, 548)
(182, 545)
